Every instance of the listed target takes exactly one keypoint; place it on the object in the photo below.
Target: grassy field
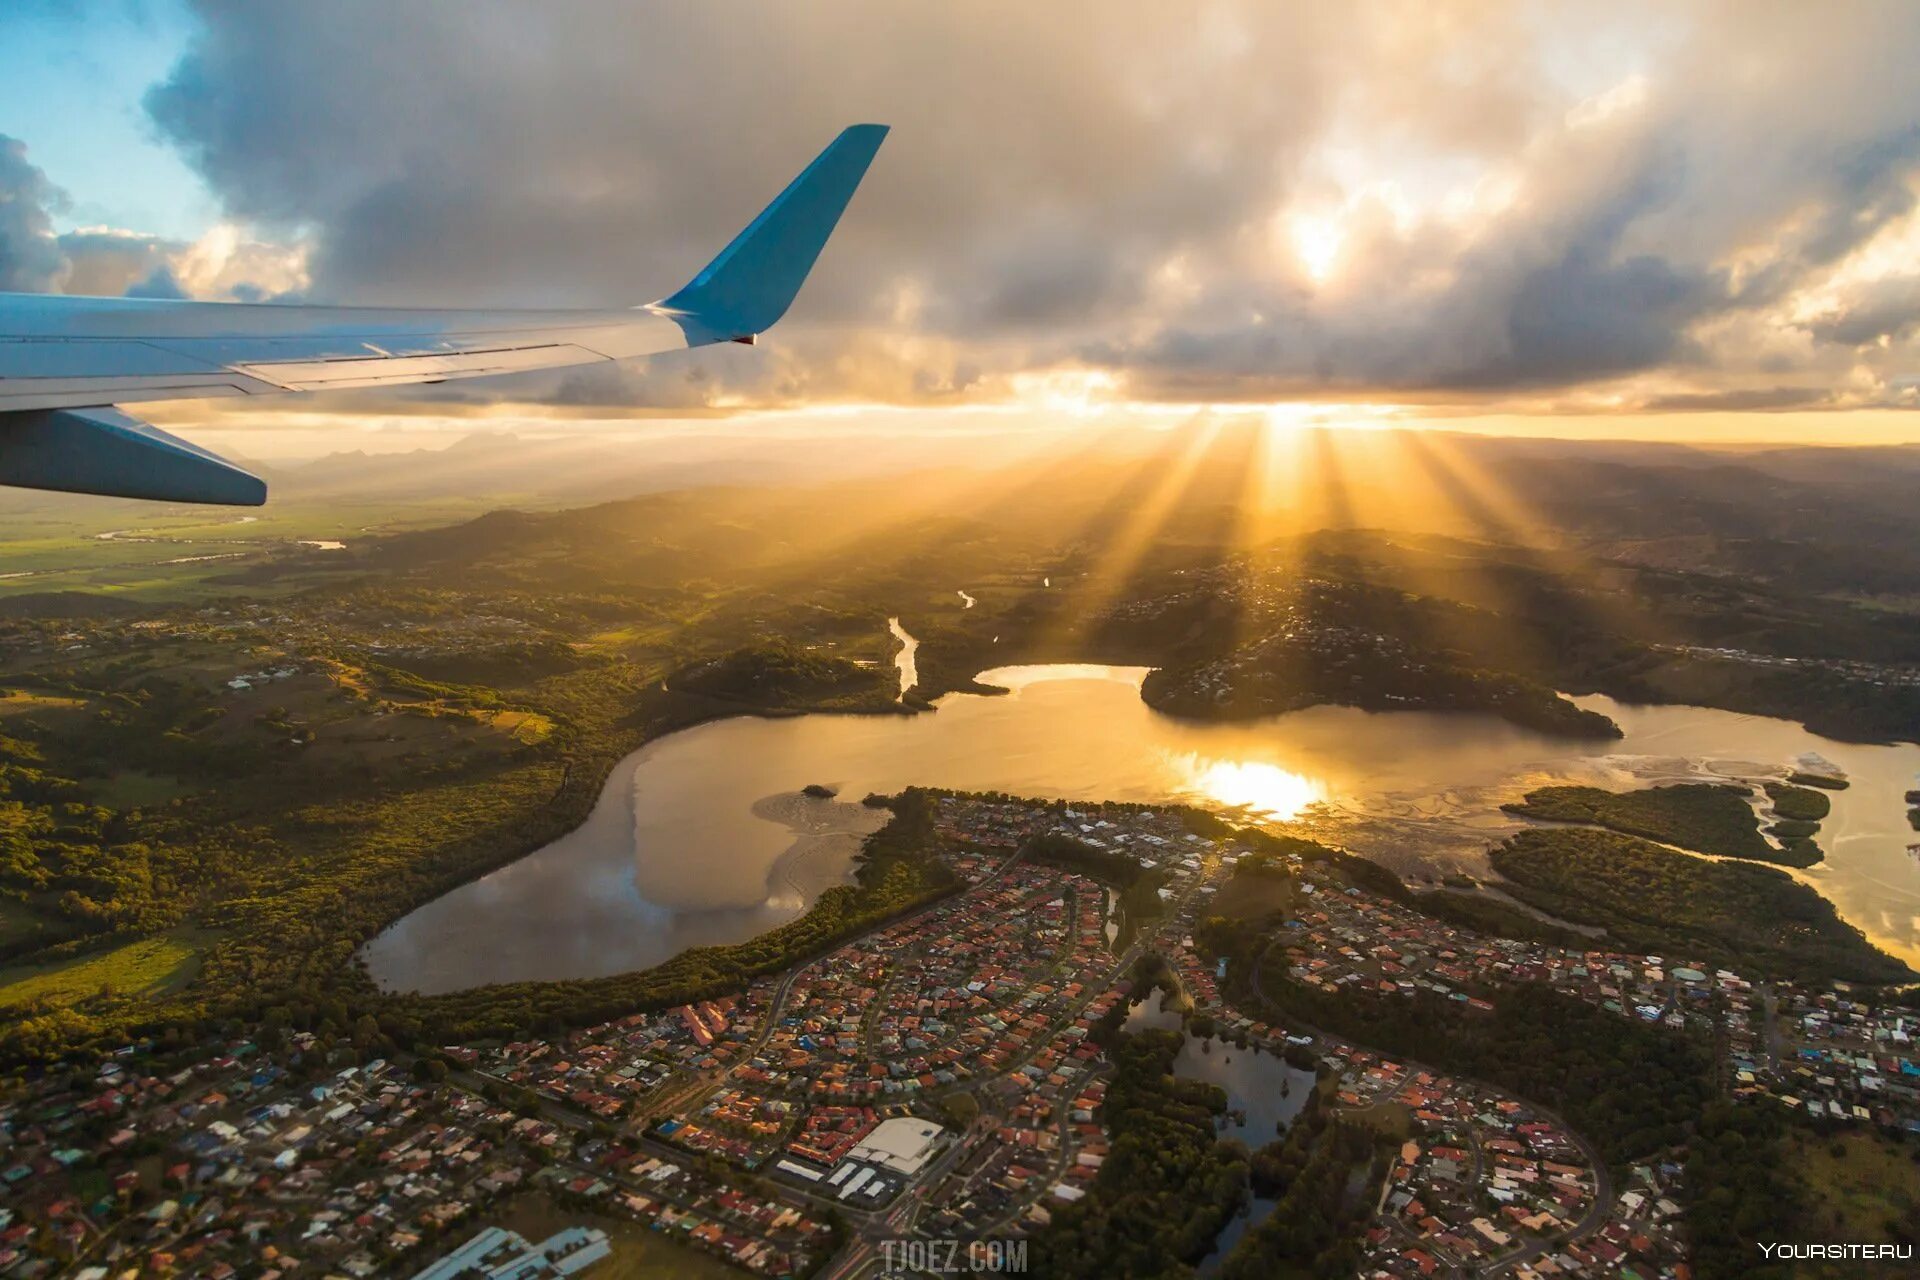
(639, 1253)
(15, 702)
(1392, 1120)
(523, 726)
(150, 967)
(1856, 1186)
(140, 552)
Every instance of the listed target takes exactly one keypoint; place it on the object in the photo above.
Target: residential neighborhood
(941, 1077)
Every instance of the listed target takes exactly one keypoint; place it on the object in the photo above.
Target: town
(942, 1077)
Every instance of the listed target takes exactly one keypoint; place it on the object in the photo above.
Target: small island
(1702, 817)
(1798, 804)
(818, 791)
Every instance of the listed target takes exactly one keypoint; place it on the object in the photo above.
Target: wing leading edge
(65, 360)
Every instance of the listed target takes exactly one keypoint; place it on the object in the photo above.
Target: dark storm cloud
(1872, 189)
(1591, 310)
(1105, 185)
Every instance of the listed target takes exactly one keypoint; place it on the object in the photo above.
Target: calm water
(699, 837)
(1264, 1094)
(904, 661)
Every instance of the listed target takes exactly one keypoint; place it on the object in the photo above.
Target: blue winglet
(754, 280)
(105, 451)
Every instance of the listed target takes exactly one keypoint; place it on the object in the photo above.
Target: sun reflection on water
(1255, 785)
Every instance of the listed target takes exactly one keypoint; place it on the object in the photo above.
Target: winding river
(702, 836)
(905, 661)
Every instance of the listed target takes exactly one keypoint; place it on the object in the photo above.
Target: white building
(903, 1145)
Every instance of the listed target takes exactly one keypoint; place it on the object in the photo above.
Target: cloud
(1208, 202)
(160, 283)
(116, 262)
(107, 262)
(1883, 309)
(30, 258)
(1747, 400)
(98, 261)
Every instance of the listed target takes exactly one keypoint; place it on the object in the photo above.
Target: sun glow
(1254, 785)
(1075, 392)
(1317, 241)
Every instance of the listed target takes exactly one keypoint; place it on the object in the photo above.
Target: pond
(1264, 1094)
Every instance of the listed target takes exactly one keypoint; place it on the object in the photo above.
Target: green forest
(1168, 1185)
(1751, 918)
(1324, 1176)
(211, 797)
(784, 676)
(431, 703)
(1351, 668)
(1497, 919)
(1799, 804)
(1701, 816)
(1629, 1087)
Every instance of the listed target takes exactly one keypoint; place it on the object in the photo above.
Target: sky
(1658, 220)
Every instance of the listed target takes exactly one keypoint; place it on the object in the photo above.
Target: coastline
(820, 844)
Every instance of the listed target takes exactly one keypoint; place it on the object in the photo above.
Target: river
(904, 660)
(701, 837)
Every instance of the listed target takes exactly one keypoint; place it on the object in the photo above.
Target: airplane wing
(66, 361)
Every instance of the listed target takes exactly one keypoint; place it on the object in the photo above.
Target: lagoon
(701, 836)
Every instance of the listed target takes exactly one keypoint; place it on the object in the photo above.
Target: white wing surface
(64, 360)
